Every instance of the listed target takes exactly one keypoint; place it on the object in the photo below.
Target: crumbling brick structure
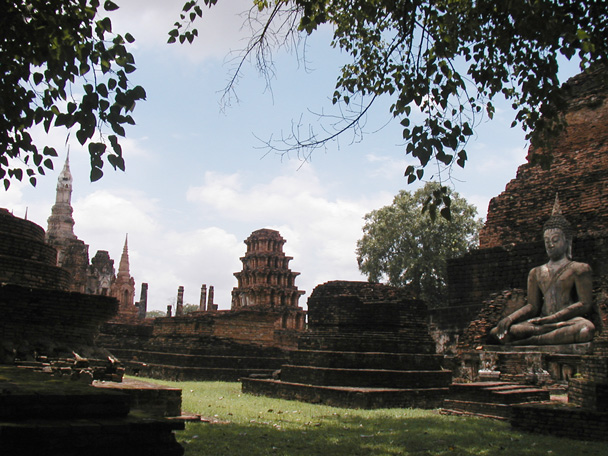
(98, 277)
(44, 327)
(40, 317)
(511, 241)
(488, 284)
(367, 346)
(251, 338)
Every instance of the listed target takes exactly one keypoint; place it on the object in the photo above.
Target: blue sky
(198, 180)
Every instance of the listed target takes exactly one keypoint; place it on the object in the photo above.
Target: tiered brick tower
(266, 280)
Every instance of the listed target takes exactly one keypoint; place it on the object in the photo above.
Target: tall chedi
(72, 253)
(61, 223)
(266, 280)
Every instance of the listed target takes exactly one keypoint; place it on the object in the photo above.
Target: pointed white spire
(61, 223)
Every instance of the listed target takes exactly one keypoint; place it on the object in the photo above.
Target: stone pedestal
(538, 365)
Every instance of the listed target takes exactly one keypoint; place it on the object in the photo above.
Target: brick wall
(578, 172)
(561, 420)
(53, 320)
(377, 315)
(33, 274)
(351, 305)
(24, 257)
(244, 326)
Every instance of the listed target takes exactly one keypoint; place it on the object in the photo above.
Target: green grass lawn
(246, 425)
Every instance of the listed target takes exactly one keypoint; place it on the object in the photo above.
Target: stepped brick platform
(367, 346)
(193, 358)
(186, 367)
(586, 414)
(41, 414)
(339, 396)
(184, 348)
(490, 399)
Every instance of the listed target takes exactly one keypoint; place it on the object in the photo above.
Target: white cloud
(219, 30)
(387, 166)
(321, 232)
(165, 258)
(505, 160)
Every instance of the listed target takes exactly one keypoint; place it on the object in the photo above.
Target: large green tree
(405, 246)
(448, 59)
(61, 65)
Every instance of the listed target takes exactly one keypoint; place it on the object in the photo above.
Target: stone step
(46, 415)
(498, 392)
(366, 377)
(366, 342)
(122, 436)
(339, 396)
(32, 395)
(189, 360)
(485, 409)
(180, 374)
(366, 360)
(151, 398)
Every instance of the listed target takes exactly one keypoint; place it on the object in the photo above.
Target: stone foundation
(561, 420)
(367, 346)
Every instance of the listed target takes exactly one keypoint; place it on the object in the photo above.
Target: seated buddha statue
(560, 308)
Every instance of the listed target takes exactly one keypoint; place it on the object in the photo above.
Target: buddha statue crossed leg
(560, 305)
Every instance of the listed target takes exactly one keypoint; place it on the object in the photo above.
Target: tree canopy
(405, 246)
(61, 65)
(446, 59)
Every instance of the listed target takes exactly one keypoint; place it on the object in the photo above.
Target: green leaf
(110, 6)
(96, 174)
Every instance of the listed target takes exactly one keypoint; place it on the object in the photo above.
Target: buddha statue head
(557, 233)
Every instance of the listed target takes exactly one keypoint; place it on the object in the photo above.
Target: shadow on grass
(382, 435)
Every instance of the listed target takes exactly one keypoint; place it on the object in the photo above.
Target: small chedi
(266, 280)
(560, 307)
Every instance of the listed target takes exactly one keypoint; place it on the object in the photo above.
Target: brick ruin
(42, 319)
(511, 240)
(488, 284)
(266, 280)
(47, 341)
(262, 323)
(367, 346)
(97, 277)
(209, 344)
